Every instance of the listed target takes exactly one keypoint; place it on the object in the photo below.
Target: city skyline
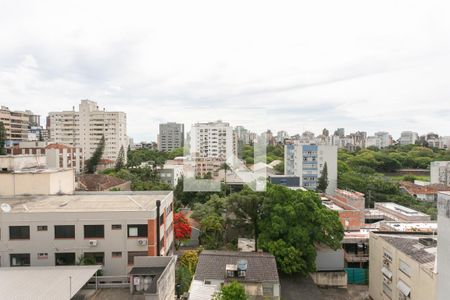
(360, 73)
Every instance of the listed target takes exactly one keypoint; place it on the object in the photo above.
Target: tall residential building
(17, 124)
(307, 161)
(211, 144)
(281, 136)
(408, 137)
(85, 128)
(213, 140)
(242, 135)
(171, 136)
(340, 132)
(443, 254)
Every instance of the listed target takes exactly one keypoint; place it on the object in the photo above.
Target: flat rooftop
(332, 205)
(412, 226)
(399, 209)
(411, 246)
(87, 202)
(43, 283)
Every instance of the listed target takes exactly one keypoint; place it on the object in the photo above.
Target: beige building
(395, 212)
(10, 163)
(110, 227)
(85, 128)
(402, 266)
(16, 124)
(37, 182)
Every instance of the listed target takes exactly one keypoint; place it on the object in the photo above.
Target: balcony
(356, 257)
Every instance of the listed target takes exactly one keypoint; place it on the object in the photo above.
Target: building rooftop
(399, 209)
(412, 226)
(99, 182)
(261, 266)
(411, 246)
(87, 201)
(415, 189)
(332, 205)
(41, 283)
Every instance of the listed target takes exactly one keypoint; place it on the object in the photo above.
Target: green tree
(245, 207)
(323, 180)
(232, 291)
(292, 224)
(2, 139)
(119, 161)
(91, 163)
(211, 231)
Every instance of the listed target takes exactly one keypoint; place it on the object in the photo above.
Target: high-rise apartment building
(16, 124)
(213, 140)
(171, 136)
(408, 138)
(211, 144)
(307, 162)
(85, 128)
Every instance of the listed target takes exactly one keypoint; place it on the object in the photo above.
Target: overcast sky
(301, 65)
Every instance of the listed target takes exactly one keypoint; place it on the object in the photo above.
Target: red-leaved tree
(182, 229)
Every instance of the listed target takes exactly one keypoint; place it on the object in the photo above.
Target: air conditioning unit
(142, 242)
(92, 243)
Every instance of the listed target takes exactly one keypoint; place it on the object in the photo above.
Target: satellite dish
(5, 207)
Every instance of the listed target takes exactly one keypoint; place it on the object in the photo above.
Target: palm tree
(226, 168)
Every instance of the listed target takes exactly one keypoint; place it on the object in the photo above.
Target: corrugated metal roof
(44, 283)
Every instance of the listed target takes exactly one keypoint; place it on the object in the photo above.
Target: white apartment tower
(85, 128)
(408, 138)
(213, 140)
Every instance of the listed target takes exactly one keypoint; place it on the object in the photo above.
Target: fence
(357, 275)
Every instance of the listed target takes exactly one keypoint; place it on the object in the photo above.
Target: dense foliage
(153, 157)
(2, 139)
(186, 268)
(286, 223)
(365, 171)
(323, 179)
(232, 291)
(272, 153)
(91, 163)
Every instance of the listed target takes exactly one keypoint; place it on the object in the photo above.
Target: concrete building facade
(171, 136)
(16, 124)
(307, 162)
(402, 267)
(440, 172)
(443, 262)
(111, 227)
(408, 138)
(85, 128)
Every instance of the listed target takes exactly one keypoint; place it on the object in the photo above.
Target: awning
(386, 272)
(403, 288)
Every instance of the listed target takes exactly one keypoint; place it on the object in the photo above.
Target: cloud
(307, 65)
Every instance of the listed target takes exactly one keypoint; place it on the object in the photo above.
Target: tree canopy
(91, 163)
(232, 291)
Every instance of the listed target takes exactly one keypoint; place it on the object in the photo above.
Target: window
(117, 254)
(64, 231)
(132, 254)
(267, 291)
(161, 219)
(94, 231)
(64, 259)
(42, 255)
(138, 230)
(19, 232)
(42, 228)
(387, 290)
(98, 257)
(387, 255)
(405, 268)
(19, 259)
(116, 226)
